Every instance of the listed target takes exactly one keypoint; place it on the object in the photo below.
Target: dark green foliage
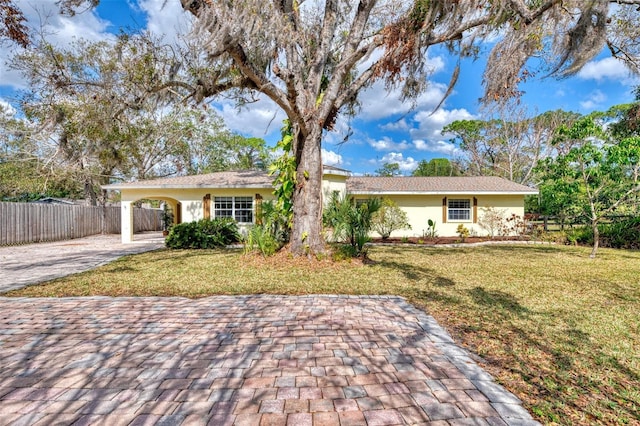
(622, 234)
(579, 236)
(351, 221)
(284, 170)
(436, 167)
(271, 232)
(203, 234)
(619, 233)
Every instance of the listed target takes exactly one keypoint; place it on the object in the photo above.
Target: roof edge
(532, 192)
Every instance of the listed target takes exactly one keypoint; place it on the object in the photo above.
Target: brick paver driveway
(311, 360)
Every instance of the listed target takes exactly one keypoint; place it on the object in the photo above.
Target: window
(239, 208)
(459, 210)
(243, 208)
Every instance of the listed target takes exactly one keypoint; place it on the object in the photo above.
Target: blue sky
(386, 130)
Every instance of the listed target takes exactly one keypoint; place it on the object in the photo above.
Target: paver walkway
(249, 360)
(34, 263)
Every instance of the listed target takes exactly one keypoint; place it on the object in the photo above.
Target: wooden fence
(23, 223)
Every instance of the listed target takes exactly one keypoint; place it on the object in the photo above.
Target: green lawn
(558, 329)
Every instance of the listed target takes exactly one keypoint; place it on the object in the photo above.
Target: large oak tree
(312, 58)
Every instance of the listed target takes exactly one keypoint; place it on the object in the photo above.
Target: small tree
(492, 220)
(351, 222)
(389, 218)
(598, 172)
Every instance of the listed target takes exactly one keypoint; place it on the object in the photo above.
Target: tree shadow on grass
(417, 274)
(119, 268)
(555, 361)
(497, 300)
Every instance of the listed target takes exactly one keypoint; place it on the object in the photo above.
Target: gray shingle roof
(435, 185)
(355, 184)
(242, 179)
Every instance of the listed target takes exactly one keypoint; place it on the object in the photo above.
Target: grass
(558, 329)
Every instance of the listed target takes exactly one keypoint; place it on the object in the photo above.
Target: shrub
(580, 235)
(516, 225)
(492, 220)
(495, 222)
(272, 231)
(260, 238)
(203, 234)
(389, 218)
(462, 231)
(624, 234)
(350, 221)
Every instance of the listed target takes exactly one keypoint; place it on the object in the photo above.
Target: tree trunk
(596, 239)
(306, 235)
(89, 193)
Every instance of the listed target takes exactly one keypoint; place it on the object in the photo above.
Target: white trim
(464, 192)
(185, 186)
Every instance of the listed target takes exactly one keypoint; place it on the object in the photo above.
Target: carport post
(126, 224)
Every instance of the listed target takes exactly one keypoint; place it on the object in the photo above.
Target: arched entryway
(171, 214)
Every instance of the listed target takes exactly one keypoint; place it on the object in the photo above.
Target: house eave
(532, 192)
(169, 186)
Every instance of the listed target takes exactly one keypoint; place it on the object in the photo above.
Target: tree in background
(598, 175)
(24, 176)
(436, 167)
(106, 110)
(388, 170)
(509, 146)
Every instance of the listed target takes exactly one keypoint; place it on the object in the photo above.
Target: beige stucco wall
(421, 208)
(331, 183)
(190, 201)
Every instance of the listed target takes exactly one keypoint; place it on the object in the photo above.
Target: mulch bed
(444, 240)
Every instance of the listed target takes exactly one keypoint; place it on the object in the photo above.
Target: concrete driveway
(34, 263)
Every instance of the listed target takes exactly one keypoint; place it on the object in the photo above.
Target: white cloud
(165, 18)
(386, 144)
(378, 102)
(595, 99)
(440, 147)
(606, 69)
(6, 109)
(258, 119)
(399, 125)
(430, 124)
(331, 158)
(58, 30)
(406, 164)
